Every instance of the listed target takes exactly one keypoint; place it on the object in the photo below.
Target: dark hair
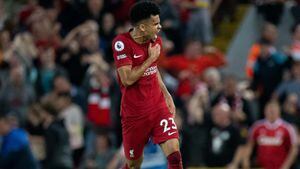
(294, 27)
(264, 41)
(143, 10)
(50, 108)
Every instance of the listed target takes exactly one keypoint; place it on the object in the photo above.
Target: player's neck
(138, 36)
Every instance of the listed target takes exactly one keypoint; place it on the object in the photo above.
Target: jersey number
(164, 122)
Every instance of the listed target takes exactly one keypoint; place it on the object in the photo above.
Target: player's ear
(142, 27)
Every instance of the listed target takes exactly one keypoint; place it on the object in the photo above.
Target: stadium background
(60, 51)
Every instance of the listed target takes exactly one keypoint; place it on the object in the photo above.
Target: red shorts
(159, 125)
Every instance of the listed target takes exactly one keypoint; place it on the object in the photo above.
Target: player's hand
(153, 52)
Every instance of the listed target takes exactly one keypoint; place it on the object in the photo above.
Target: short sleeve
(253, 133)
(292, 134)
(121, 52)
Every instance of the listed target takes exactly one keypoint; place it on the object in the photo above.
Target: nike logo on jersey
(137, 56)
(171, 133)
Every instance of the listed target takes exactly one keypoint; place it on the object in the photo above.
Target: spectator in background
(4, 66)
(224, 139)
(62, 13)
(47, 70)
(271, 11)
(120, 10)
(61, 84)
(73, 119)
(295, 10)
(3, 14)
(269, 32)
(94, 10)
(212, 78)
(241, 113)
(295, 47)
(58, 150)
(291, 86)
(195, 129)
(199, 25)
(276, 141)
(44, 30)
(170, 22)
(268, 72)
(290, 110)
(79, 50)
(189, 66)
(102, 154)
(25, 50)
(15, 149)
(99, 99)
(107, 33)
(36, 131)
(17, 95)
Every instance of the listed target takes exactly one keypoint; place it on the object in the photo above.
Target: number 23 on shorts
(165, 123)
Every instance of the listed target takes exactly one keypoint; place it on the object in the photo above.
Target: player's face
(152, 27)
(272, 112)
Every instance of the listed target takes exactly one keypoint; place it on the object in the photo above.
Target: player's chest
(269, 137)
(139, 54)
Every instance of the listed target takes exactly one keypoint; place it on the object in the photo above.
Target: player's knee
(134, 164)
(171, 146)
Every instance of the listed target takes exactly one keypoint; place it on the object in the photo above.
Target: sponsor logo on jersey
(151, 70)
(119, 46)
(137, 56)
(121, 56)
(269, 141)
(171, 133)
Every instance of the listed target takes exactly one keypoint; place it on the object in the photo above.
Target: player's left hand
(171, 105)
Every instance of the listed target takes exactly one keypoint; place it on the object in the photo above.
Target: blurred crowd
(59, 97)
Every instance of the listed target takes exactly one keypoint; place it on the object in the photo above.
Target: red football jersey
(273, 142)
(145, 94)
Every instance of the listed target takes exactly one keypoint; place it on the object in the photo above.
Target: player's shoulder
(286, 124)
(120, 41)
(259, 123)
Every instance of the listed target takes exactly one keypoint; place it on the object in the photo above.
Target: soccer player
(275, 139)
(147, 108)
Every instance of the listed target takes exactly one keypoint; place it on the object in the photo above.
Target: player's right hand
(153, 52)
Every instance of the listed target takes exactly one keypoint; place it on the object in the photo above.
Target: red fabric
(145, 93)
(185, 88)
(26, 12)
(275, 138)
(197, 65)
(174, 161)
(159, 125)
(125, 166)
(121, 12)
(99, 108)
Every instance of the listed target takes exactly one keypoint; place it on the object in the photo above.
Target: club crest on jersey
(131, 153)
(119, 46)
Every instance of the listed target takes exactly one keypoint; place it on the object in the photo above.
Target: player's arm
(293, 149)
(129, 75)
(166, 93)
(291, 157)
(247, 154)
(238, 157)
